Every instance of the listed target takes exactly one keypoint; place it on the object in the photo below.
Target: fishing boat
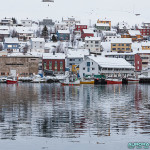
(3, 79)
(70, 80)
(114, 81)
(132, 80)
(12, 80)
(37, 79)
(74, 83)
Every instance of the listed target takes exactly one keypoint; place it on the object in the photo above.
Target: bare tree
(59, 48)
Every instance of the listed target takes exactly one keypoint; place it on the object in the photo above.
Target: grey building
(46, 22)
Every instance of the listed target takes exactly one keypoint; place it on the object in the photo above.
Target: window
(127, 48)
(96, 42)
(70, 59)
(61, 66)
(87, 45)
(127, 44)
(93, 68)
(114, 45)
(114, 49)
(55, 66)
(91, 41)
(122, 44)
(88, 69)
(44, 65)
(10, 46)
(83, 68)
(88, 64)
(2, 73)
(138, 62)
(50, 65)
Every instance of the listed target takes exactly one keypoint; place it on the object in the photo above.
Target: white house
(24, 34)
(61, 26)
(93, 44)
(95, 65)
(37, 44)
(75, 57)
(26, 22)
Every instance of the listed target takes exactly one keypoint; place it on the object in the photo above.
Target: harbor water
(54, 117)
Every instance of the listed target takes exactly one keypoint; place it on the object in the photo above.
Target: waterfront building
(104, 21)
(133, 58)
(54, 62)
(24, 65)
(96, 65)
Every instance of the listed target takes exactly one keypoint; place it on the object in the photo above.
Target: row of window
(121, 45)
(82, 26)
(96, 42)
(10, 46)
(92, 45)
(74, 59)
(55, 66)
(88, 69)
(121, 49)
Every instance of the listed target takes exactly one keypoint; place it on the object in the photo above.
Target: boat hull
(86, 82)
(11, 82)
(133, 81)
(113, 82)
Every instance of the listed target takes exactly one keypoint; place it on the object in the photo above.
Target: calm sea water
(53, 117)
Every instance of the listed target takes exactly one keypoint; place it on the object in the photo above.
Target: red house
(144, 29)
(87, 33)
(79, 27)
(137, 62)
(55, 62)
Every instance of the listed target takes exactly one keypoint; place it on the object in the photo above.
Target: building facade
(54, 62)
(121, 45)
(23, 65)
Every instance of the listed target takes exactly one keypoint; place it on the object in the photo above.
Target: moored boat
(133, 80)
(12, 80)
(114, 81)
(75, 83)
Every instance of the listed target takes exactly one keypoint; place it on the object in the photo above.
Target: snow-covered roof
(115, 53)
(11, 40)
(106, 62)
(88, 31)
(79, 24)
(134, 32)
(92, 38)
(4, 32)
(64, 31)
(24, 30)
(121, 40)
(53, 56)
(37, 39)
(102, 24)
(4, 28)
(79, 53)
(145, 43)
(123, 25)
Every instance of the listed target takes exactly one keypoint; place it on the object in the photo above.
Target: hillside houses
(71, 42)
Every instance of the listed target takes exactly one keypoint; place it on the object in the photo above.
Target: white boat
(37, 79)
(3, 79)
(133, 80)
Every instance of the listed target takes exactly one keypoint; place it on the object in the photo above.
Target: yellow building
(121, 45)
(75, 69)
(104, 21)
(146, 46)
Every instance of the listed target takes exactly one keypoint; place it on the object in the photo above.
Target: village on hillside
(50, 48)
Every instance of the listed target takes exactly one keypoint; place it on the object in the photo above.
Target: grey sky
(86, 9)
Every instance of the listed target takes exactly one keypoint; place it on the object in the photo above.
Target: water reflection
(54, 111)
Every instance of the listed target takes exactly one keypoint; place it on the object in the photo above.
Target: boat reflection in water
(84, 114)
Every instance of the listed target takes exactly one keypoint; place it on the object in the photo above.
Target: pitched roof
(111, 62)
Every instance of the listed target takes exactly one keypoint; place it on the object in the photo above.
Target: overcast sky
(117, 10)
